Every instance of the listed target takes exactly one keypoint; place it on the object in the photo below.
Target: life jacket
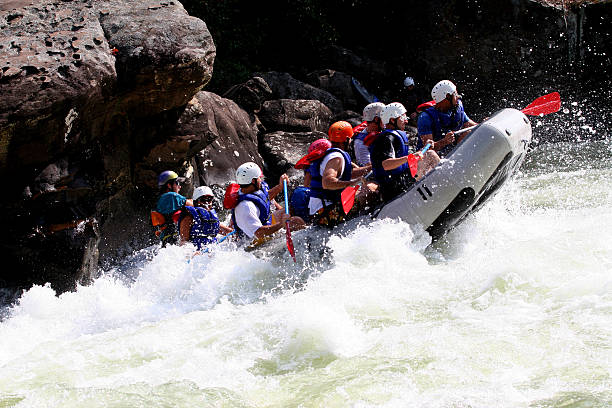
(422, 107)
(360, 128)
(442, 124)
(380, 174)
(299, 202)
(261, 201)
(166, 226)
(316, 181)
(205, 225)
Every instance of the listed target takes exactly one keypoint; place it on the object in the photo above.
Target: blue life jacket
(442, 124)
(205, 225)
(361, 135)
(380, 174)
(316, 181)
(299, 202)
(261, 201)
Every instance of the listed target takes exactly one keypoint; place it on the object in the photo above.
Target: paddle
(289, 240)
(543, 105)
(347, 197)
(413, 159)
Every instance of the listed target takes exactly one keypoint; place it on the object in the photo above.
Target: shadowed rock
(88, 88)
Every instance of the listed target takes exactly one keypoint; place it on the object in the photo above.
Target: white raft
(469, 175)
(461, 183)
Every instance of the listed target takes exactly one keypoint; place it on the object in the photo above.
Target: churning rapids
(512, 309)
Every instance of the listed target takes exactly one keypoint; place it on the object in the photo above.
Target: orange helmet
(340, 132)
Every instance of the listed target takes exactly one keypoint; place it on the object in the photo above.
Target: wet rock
(284, 86)
(295, 115)
(281, 150)
(251, 94)
(96, 84)
(230, 133)
(338, 84)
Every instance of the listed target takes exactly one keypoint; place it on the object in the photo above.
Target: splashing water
(511, 309)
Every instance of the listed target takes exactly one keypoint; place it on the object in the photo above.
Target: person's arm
(361, 171)
(307, 179)
(185, 229)
(189, 202)
(224, 230)
(390, 164)
(273, 192)
(266, 230)
(330, 176)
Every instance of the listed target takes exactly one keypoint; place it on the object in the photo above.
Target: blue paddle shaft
(427, 146)
(286, 198)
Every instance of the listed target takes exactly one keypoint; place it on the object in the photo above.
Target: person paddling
(200, 224)
(437, 124)
(330, 174)
(390, 151)
(253, 215)
(169, 206)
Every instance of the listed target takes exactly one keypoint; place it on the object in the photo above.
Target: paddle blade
(413, 163)
(290, 243)
(348, 198)
(544, 105)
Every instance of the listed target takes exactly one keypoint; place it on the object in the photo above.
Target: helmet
(340, 131)
(165, 177)
(247, 172)
(408, 81)
(392, 110)
(372, 110)
(202, 191)
(319, 145)
(441, 89)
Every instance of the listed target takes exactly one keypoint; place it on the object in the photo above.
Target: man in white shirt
(254, 215)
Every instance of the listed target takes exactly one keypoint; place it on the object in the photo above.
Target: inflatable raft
(472, 173)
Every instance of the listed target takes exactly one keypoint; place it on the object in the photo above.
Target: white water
(512, 309)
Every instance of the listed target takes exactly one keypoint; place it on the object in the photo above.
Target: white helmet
(372, 110)
(441, 89)
(408, 81)
(202, 191)
(247, 172)
(392, 110)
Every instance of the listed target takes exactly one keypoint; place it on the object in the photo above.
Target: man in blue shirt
(169, 205)
(436, 125)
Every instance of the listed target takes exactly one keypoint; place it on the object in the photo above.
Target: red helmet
(319, 145)
(340, 132)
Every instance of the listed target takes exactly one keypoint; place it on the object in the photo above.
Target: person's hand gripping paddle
(413, 159)
(289, 240)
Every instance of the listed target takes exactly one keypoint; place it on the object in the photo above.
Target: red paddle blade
(544, 105)
(413, 163)
(290, 243)
(348, 198)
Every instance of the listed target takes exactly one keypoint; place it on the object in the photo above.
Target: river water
(512, 309)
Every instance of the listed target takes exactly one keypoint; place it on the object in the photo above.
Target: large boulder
(88, 88)
(281, 150)
(251, 94)
(340, 85)
(231, 137)
(295, 115)
(284, 86)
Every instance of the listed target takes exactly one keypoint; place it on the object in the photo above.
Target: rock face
(232, 137)
(295, 115)
(281, 150)
(251, 94)
(88, 87)
(284, 86)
